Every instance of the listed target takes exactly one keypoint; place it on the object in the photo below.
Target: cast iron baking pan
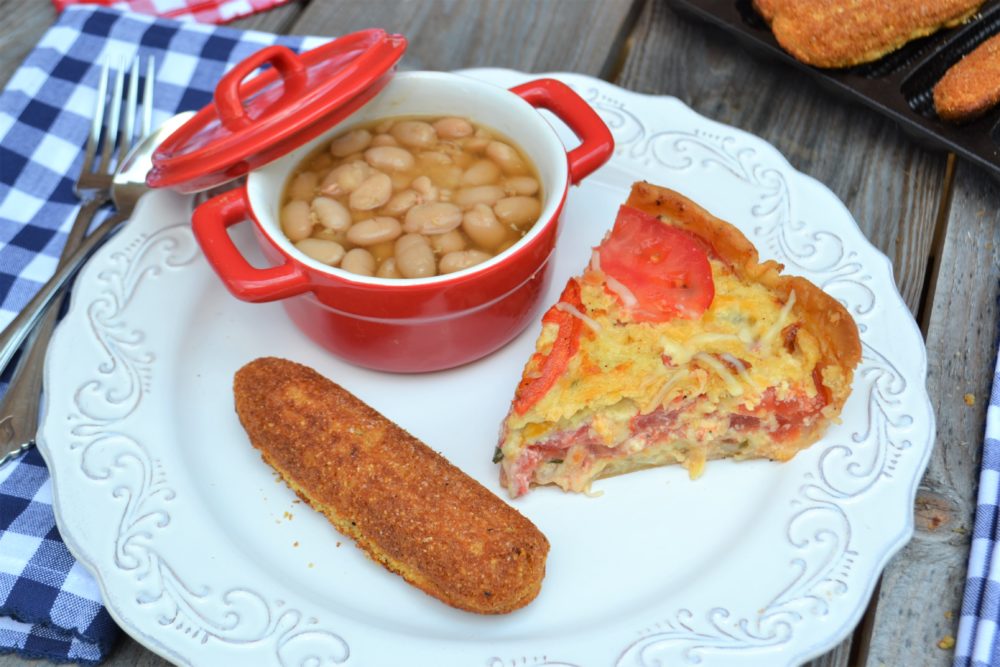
(898, 85)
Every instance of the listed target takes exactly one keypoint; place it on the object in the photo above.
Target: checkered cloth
(51, 604)
(202, 11)
(977, 629)
(40, 581)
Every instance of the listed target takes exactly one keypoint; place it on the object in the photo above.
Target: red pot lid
(255, 121)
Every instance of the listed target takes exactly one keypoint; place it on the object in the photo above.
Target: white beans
(389, 158)
(352, 142)
(345, 178)
(463, 259)
(384, 140)
(475, 144)
(359, 261)
(331, 213)
(327, 252)
(506, 157)
(374, 230)
(329, 235)
(446, 176)
(410, 198)
(372, 193)
(436, 157)
(448, 242)
(303, 186)
(425, 187)
(414, 133)
(483, 228)
(401, 202)
(453, 128)
(521, 185)
(387, 269)
(296, 220)
(400, 180)
(414, 257)
(517, 211)
(480, 194)
(482, 172)
(433, 218)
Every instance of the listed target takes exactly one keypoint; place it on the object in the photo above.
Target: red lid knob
(253, 121)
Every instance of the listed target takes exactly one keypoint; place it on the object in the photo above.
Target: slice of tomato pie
(676, 345)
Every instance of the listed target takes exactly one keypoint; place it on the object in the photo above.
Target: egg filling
(675, 345)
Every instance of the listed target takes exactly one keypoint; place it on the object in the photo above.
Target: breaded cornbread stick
(404, 504)
(842, 33)
(971, 87)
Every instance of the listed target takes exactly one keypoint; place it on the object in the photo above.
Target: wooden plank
(278, 20)
(531, 35)
(921, 593)
(22, 24)
(892, 187)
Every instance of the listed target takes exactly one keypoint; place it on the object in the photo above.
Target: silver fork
(19, 407)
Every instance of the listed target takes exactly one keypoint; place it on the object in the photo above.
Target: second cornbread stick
(972, 86)
(404, 504)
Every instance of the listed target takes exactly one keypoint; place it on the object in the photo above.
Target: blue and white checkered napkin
(978, 644)
(49, 605)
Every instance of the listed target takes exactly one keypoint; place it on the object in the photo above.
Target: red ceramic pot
(421, 324)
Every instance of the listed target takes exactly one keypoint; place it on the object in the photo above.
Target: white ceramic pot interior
(429, 94)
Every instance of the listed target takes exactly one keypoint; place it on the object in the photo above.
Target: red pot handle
(596, 145)
(228, 97)
(210, 222)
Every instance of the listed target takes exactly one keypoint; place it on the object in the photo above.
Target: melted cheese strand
(739, 365)
(595, 261)
(575, 312)
(661, 394)
(780, 323)
(732, 384)
(701, 340)
(624, 293)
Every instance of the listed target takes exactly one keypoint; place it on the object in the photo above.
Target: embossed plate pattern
(207, 559)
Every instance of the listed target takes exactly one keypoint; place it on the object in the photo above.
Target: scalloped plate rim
(891, 548)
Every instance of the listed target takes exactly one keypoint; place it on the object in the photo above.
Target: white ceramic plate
(207, 559)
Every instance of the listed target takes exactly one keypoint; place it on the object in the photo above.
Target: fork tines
(113, 125)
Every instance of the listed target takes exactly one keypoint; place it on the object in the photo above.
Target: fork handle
(19, 406)
(22, 325)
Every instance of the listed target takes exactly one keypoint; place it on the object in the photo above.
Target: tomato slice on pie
(546, 367)
(665, 268)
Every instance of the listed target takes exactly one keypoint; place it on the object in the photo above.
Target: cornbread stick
(842, 33)
(404, 504)
(971, 87)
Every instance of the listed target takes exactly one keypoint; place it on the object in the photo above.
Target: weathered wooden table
(937, 219)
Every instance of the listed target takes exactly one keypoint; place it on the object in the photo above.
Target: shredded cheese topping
(738, 365)
(575, 312)
(628, 299)
(732, 384)
(655, 402)
(595, 261)
(786, 310)
(701, 340)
